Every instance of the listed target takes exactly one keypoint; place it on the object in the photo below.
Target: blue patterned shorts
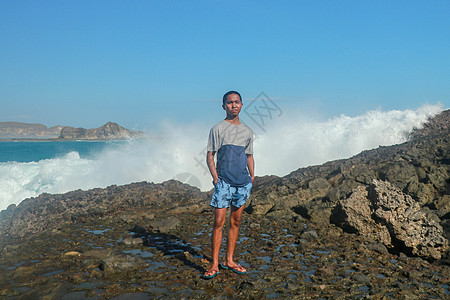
(225, 195)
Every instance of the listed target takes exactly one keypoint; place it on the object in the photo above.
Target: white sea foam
(286, 142)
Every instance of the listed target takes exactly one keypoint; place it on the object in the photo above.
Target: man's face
(233, 105)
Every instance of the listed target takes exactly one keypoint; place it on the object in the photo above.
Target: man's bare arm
(212, 166)
(251, 166)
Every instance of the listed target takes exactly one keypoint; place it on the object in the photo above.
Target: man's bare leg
(233, 232)
(216, 239)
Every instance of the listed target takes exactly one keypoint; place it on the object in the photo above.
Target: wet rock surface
(145, 240)
(284, 259)
(288, 258)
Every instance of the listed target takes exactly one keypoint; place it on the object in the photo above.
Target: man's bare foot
(211, 273)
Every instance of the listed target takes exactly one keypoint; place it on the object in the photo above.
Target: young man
(232, 178)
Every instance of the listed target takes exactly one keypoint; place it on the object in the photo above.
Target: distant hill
(17, 130)
(108, 131)
(25, 131)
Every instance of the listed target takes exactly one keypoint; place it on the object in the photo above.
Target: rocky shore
(373, 226)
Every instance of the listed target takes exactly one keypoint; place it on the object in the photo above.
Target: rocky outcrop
(108, 131)
(420, 168)
(384, 214)
(17, 130)
(46, 211)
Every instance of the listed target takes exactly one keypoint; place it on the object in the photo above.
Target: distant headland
(16, 131)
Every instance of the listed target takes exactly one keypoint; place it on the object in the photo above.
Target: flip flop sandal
(232, 269)
(210, 276)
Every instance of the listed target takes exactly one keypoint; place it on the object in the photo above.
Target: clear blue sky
(83, 63)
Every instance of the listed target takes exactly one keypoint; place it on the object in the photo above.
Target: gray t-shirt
(232, 144)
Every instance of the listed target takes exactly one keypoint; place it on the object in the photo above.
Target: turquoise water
(28, 169)
(36, 151)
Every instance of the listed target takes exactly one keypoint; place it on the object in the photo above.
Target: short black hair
(230, 93)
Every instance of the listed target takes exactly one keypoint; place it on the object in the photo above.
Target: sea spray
(302, 141)
(292, 141)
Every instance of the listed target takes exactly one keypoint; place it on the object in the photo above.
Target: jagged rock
(280, 211)
(309, 235)
(399, 173)
(408, 225)
(353, 215)
(319, 184)
(385, 214)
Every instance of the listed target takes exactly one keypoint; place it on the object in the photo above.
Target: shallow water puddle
(139, 253)
(287, 256)
(52, 273)
(279, 247)
(15, 266)
(98, 231)
(90, 285)
(273, 295)
(364, 289)
(325, 252)
(242, 239)
(348, 272)
(267, 259)
(308, 275)
(171, 245)
(22, 289)
(265, 236)
(153, 265)
(94, 246)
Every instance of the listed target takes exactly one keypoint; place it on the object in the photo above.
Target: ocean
(282, 144)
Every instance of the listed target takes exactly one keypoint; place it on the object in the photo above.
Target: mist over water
(285, 143)
(295, 142)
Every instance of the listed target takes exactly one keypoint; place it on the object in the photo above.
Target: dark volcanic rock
(47, 211)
